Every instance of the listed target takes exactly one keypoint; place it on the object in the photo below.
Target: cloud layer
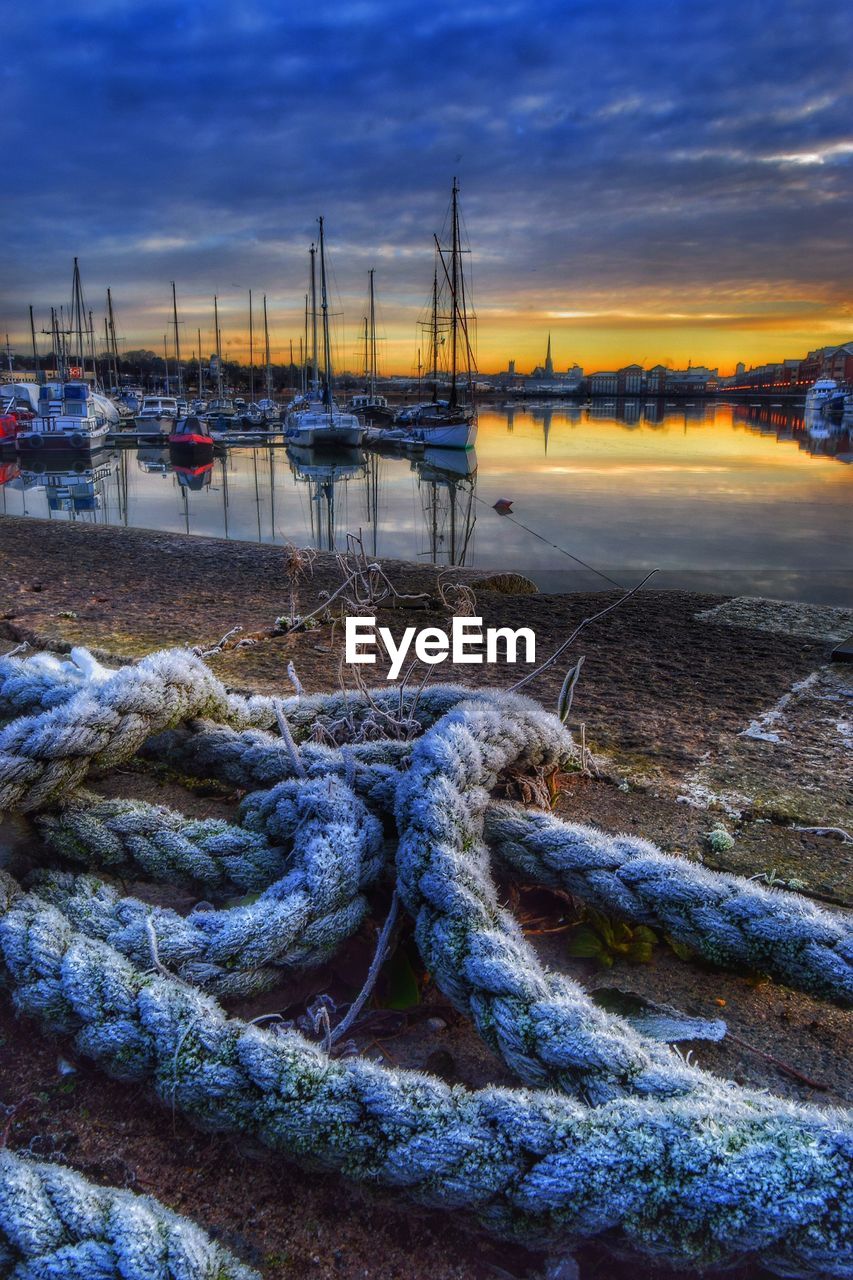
(660, 167)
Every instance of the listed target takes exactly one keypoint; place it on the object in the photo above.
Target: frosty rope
(298, 922)
(711, 1179)
(728, 919)
(132, 835)
(54, 1223)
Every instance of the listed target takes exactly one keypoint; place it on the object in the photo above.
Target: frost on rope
(54, 1225)
(669, 1160)
(720, 1176)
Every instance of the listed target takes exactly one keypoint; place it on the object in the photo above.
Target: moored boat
(821, 394)
(70, 416)
(314, 420)
(447, 423)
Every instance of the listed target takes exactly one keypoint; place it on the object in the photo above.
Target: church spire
(549, 363)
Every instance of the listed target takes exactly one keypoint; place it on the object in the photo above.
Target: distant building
(656, 380)
(511, 369)
(604, 384)
(630, 381)
(549, 363)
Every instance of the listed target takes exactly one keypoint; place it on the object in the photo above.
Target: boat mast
(200, 374)
(303, 355)
(166, 363)
(327, 342)
(177, 340)
(454, 291)
(251, 353)
(366, 360)
(218, 337)
(35, 349)
(372, 336)
(113, 345)
(267, 350)
(92, 348)
(315, 366)
(78, 319)
(435, 334)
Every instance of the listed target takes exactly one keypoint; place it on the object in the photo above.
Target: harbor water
(722, 498)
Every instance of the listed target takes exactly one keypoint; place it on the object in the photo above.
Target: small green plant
(597, 937)
(719, 839)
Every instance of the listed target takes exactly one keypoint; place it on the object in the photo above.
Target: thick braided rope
(43, 681)
(252, 759)
(727, 919)
(299, 921)
(44, 755)
(132, 835)
(546, 1027)
(54, 1225)
(698, 1181)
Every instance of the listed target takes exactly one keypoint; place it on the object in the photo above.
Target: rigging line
(554, 546)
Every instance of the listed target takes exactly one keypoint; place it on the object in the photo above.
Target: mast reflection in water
(734, 499)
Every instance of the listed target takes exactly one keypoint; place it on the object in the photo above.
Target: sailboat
(450, 423)
(314, 420)
(374, 407)
(73, 413)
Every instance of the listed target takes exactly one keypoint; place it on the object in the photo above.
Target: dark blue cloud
(600, 146)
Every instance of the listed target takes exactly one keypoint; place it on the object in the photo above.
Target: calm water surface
(720, 498)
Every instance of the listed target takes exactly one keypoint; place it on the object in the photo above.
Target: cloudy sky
(650, 180)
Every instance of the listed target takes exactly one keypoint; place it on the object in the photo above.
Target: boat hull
(445, 435)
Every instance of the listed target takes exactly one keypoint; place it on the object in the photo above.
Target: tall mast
(35, 349)
(78, 318)
(91, 337)
(267, 350)
(366, 358)
(327, 342)
(166, 363)
(200, 374)
(177, 340)
(372, 336)
(454, 292)
(251, 353)
(113, 344)
(435, 334)
(218, 337)
(303, 354)
(315, 365)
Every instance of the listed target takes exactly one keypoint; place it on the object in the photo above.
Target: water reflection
(720, 497)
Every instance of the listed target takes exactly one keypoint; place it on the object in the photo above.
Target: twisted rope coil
(300, 921)
(55, 1225)
(105, 723)
(545, 1026)
(703, 1180)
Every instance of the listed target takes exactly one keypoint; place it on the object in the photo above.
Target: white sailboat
(314, 420)
(71, 414)
(447, 423)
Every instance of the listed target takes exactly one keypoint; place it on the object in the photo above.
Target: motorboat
(190, 437)
(70, 416)
(821, 394)
(157, 409)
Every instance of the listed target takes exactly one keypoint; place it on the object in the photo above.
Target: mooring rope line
(716, 1177)
(54, 1224)
(438, 783)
